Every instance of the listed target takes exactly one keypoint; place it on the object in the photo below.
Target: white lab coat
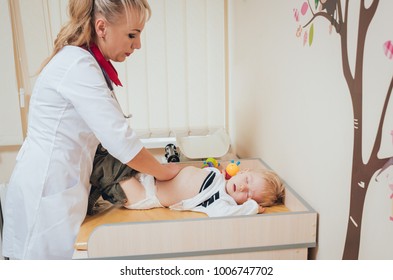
(71, 111)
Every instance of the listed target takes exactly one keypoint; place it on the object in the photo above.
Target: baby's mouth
(234, 187)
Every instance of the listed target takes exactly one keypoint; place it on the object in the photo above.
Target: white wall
(290, 106)
(10, 124)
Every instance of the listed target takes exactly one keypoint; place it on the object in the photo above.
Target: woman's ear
(100, 27)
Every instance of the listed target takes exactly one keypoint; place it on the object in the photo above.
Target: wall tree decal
(337, 13)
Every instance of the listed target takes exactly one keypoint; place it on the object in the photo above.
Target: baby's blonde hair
(274, 191)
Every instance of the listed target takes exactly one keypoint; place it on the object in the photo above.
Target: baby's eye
(131, 36)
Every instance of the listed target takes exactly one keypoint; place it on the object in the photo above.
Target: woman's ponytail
(79, 30)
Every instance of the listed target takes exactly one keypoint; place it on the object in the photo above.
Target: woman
(72, 110)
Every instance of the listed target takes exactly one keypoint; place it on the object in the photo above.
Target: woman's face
(118, 40)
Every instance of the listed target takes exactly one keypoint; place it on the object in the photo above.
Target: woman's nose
(137, 43)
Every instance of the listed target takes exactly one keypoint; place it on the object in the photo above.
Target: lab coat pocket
(60, 216)
(63, 203)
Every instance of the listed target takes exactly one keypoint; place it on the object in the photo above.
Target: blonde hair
(274, 192)
(80, 28)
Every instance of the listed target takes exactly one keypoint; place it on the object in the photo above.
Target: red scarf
(105, 64)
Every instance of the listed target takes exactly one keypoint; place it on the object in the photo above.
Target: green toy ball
(210, 162)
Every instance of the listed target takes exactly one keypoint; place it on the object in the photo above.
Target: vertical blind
(175, 84)
(10, 117)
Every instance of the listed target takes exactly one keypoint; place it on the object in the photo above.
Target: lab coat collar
(106, 65)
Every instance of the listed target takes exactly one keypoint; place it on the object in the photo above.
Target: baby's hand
(260, 209)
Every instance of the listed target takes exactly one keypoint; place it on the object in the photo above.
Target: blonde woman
(72, 110)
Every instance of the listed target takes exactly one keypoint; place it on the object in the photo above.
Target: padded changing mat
(115, 214)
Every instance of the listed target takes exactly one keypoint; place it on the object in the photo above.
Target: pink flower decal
(296, 14)
(304, 8)
(388, 49)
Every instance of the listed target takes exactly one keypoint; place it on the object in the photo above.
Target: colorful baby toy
(210, 162)
(231, 169)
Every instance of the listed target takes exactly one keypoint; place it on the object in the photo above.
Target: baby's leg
(133, 189)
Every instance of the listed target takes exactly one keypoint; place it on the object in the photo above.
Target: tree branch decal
(362, 170)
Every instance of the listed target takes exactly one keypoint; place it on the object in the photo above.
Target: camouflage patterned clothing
(107, 173)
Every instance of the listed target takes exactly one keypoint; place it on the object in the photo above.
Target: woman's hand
(146, 163)
(172, 169)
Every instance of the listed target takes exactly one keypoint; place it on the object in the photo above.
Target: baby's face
(246, 185)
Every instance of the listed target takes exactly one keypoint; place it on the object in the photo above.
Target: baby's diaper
(151, 200)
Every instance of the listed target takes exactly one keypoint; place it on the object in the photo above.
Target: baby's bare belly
(185, 185)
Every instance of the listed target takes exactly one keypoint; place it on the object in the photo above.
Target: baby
(206, 190)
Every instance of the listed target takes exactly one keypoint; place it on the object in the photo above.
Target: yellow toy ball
(231, 169)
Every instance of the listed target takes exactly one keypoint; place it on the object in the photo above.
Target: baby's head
(264, 186)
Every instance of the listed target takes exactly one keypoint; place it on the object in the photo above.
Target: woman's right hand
(146, 163)
(172, 169)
